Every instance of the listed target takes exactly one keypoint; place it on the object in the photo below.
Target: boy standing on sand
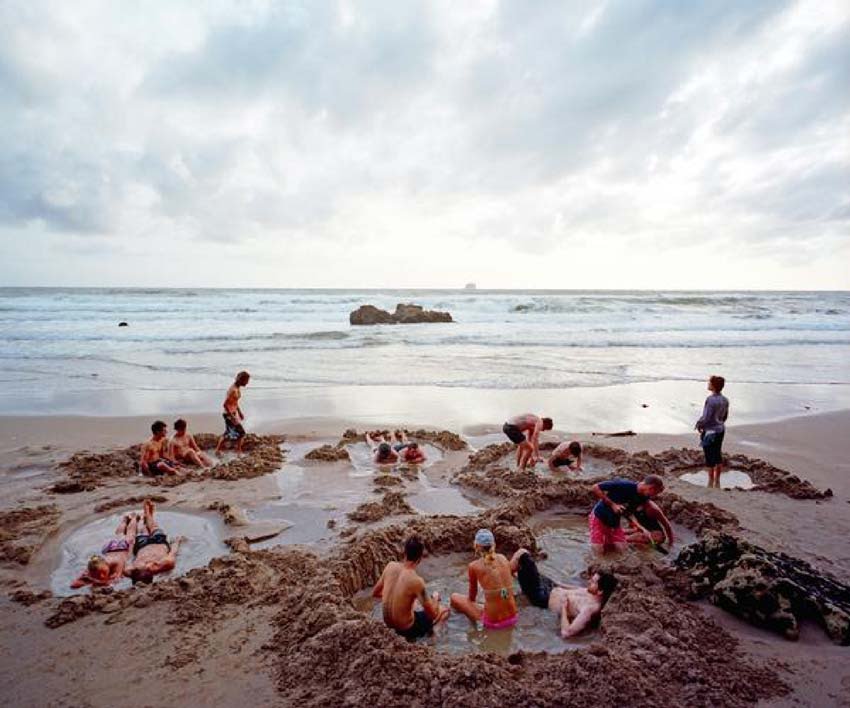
(712, 428)
(183, 447)
(524, 432)
(155, 458)
(233, 416)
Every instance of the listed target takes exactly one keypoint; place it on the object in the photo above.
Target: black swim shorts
(233, 429)
(563, 462)
(144, 539)
(155, 469)
(515, 435)
(535, 587)
(422, 627)
(713, 448)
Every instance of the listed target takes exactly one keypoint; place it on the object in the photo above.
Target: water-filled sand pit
(729, 479)
(203, 534)
(361, 459)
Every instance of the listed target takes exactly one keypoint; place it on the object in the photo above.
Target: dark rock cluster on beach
(404, 314)
(768, 589)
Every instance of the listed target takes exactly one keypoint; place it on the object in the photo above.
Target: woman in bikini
(104, 569)
(492, 571)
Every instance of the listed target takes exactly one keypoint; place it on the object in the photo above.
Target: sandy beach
(280, 612)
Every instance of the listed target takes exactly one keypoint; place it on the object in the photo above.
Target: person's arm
(706, 412)
(553, 458)
(472, 594)
(371, 441)
(535, 438)
(192, 444)
(600, 494)
(655, 512)
(432, 609)
(578, 625)
(82, 581)
(170, 559)
(725, 412)
(143, 462)
(378, 590)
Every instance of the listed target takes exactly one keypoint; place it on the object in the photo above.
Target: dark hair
(413, 445)
(384, 449)
(717, 383)
(180, 424)
(141, 575)
(242, 378)
(158, 426)
(547, 424)
(653, 480)
(575, 448)
(607, 584)
(413, 549)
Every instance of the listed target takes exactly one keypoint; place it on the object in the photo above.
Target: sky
(631, 144)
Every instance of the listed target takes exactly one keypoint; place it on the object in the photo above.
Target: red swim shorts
(603, 535)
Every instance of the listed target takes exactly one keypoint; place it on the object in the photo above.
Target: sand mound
(23, 530)
(328, 453)
(392, 504)
(444, 439)
(129, 501)
(387, 480)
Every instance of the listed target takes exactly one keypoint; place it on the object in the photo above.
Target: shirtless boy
(183, 448)
(107, 568)
(567, 454)
(524, 432)
(153, 552)
(382, 451)
(233, 416)
(400, 589)
(576, 606)
(155, 459)
(649, 525)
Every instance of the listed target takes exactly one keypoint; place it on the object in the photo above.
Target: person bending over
(155, 459)
(382, 451)
(576, 606)
(108, 567)
(524, 431)
(618, 497)
(233, 415)
(649, 525)
(400, 590)
(492, 571)
(567, 454)
(183, 448)
(153, 552)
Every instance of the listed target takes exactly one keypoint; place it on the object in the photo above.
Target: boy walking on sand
(233, 416)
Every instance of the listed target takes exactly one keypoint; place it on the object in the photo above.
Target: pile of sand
(22, 531)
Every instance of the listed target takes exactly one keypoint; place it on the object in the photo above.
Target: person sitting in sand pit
(382, 451)
(183, 448)
(712, 428)
(524, 432)
(576, 606)
(400, 589)
(155, 459)
(649, 525)
(152, 551)
(493, 573)
(233, 415)
(618, 497)
(108, 567)
(409, 451)
(567, 454)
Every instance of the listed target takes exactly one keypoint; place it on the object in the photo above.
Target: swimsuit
(501, 624)
(154, 467)
(564, 462)
(116, 545)
(422, 626)
(536, 587)
(233, 429)
(158, 537)
(515, 435)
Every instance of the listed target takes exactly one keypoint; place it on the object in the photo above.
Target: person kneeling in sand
(107, 568)
(524, 431)
(567, 454)
(493, 573)
(576, 606)
(153, 552)
(183, 447)
(649, 525)
(400, 589)
(382, 451)
(155, 458)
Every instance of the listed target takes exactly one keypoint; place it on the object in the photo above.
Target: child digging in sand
(524, 431)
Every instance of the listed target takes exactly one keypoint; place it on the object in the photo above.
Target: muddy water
(590, 467)
(203, 533)
(729, 479)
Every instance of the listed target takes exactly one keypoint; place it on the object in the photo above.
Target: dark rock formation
(767, 589)
(404, 314)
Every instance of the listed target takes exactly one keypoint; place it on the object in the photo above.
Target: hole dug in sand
(203, 534)
(729, 479)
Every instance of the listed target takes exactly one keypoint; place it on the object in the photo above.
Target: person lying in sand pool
(524, 431)
(413, 454)
(183, 448)
(400, 589)
(567, 454)
(382, 451)
(108, 567)
(493, 573)
(576, 606)
(233, 415)
(155, 458)
(649, 525)
(153, 552)
(616, 498)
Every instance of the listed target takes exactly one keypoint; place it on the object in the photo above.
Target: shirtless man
(105, 569)
(576, 606)
(233, 416)
(382, 451)
(153, 552)
(183, 448)
(400, 589)
(524, 432)
(649, 525)
(155, 459)
(567, 454)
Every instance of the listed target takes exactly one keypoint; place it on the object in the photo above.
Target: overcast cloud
(373, 144)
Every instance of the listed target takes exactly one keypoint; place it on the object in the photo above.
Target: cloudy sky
(399, 144)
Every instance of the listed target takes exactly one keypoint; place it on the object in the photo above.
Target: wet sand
(255, 624)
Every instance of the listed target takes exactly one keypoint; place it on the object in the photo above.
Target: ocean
(69, 341)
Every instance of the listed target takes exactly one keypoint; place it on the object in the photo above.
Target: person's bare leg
(122, 525)
(239, 444)
(462, 604)
(206, 460)
(442, 612)
(131, 529)
(150, 524)
(598, 549)
(219, 445)
(515, 559)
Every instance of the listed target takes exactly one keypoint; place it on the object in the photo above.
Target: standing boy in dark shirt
(616, 498)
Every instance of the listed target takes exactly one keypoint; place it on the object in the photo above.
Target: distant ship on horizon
(470, 286)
